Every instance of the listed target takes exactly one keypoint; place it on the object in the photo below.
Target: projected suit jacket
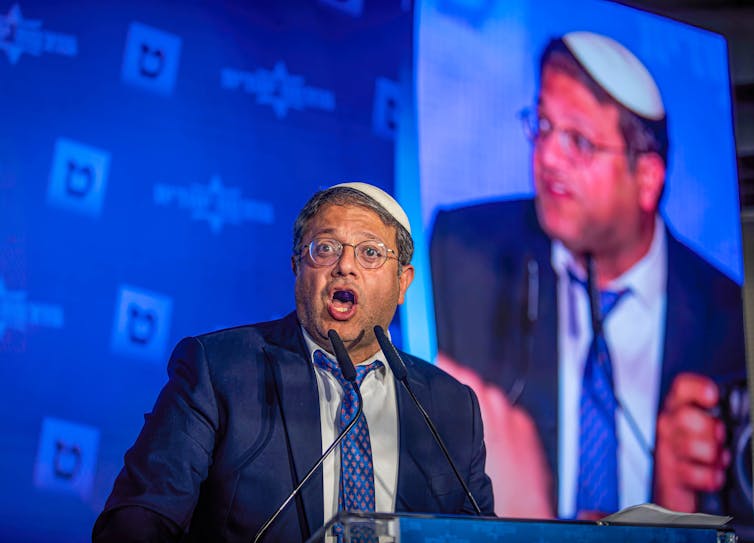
(237, 426)
(480, 257)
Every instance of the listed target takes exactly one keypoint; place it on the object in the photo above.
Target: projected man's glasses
(579, 148)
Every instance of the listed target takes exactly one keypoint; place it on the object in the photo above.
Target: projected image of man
(604, 411)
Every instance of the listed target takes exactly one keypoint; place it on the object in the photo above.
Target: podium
(413, 528)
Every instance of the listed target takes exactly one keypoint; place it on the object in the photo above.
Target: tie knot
(608, 298)
(322, 361)
(364, 369)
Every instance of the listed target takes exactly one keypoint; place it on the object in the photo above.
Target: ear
(294, 265)
(405, 279)
(650, 174)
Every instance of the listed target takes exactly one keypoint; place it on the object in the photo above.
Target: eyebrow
(578, 122)
(331, 232)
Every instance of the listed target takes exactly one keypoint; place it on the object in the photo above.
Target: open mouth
(559, 189)
(555, 184)
(343, 302)
(344, 296)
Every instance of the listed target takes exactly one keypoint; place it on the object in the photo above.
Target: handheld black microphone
(349, 373)
(596, 317)
(398, 368)
(593, 294)
(529, 317)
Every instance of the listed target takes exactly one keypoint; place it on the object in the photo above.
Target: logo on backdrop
(19, 36)
(78, 177)
(151, 59)
(142, 323)
(66, 457)
(17, 313)
(385, 110)
(278, 89)
(215, 203)
(354, 8)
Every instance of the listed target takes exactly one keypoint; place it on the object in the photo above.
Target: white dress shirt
(634, 331)
(381, 412)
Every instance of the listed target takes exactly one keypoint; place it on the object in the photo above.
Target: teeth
(341, 309)
(558, 188)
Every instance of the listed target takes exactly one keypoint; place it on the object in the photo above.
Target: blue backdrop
(153, 156)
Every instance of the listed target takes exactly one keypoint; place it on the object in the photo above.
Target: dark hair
(348, 196)
(640, 134)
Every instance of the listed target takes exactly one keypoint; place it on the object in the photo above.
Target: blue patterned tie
(598, 438)
(356, 491)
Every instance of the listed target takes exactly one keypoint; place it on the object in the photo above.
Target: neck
(357, 351)
(612, 262)
(361, 355)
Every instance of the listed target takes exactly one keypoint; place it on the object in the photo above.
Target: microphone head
(341, 355)
(393, 358)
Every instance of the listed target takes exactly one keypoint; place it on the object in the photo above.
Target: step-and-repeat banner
(153, 157)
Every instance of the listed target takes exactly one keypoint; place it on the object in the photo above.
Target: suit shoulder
(250, 335)
(481, 213)
(492, 223)
(231, 336)
(688, 266)
(238, 346)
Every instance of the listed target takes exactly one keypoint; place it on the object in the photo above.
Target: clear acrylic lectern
(411, 528)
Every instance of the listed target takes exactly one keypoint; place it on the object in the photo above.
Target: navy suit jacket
(237, 426)
(496, 309)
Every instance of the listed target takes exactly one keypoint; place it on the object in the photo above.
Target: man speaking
(248, 411)
(598, 343)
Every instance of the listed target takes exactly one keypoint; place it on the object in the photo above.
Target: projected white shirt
(634, 331)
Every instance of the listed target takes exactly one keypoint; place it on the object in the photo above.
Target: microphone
(398, 368)
(349, 373)
(596, 317)
(344, 360)
(529, 317)
(593, 293)
(532, 292)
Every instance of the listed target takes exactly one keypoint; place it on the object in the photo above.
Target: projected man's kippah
(618, 71)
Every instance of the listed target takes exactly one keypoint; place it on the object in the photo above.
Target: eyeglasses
(370, 254)
(575, 145)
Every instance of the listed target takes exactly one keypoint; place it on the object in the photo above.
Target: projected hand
(690, 455)
(521, 480)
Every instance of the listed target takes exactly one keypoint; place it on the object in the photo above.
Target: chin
(345, 330)
(556, 226)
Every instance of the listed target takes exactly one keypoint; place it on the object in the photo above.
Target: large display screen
(566, 149)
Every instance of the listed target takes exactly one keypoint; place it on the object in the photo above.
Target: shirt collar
(312, 347)
(646, 278)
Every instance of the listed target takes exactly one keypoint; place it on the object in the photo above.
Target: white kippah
(618, 71)
(382, 198)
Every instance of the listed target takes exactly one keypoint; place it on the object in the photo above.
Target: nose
(552, 149)
(346, 264)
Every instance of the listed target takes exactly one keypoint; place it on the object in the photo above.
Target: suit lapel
(540, 346)
(683, 342)
(299, 403)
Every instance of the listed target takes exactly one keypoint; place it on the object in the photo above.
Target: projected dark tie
(598, 438)
(356, 469)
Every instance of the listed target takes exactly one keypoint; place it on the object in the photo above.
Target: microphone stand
(349, 373)
(399, 370)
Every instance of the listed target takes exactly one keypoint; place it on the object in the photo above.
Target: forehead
(349, 221)
(570, 100)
